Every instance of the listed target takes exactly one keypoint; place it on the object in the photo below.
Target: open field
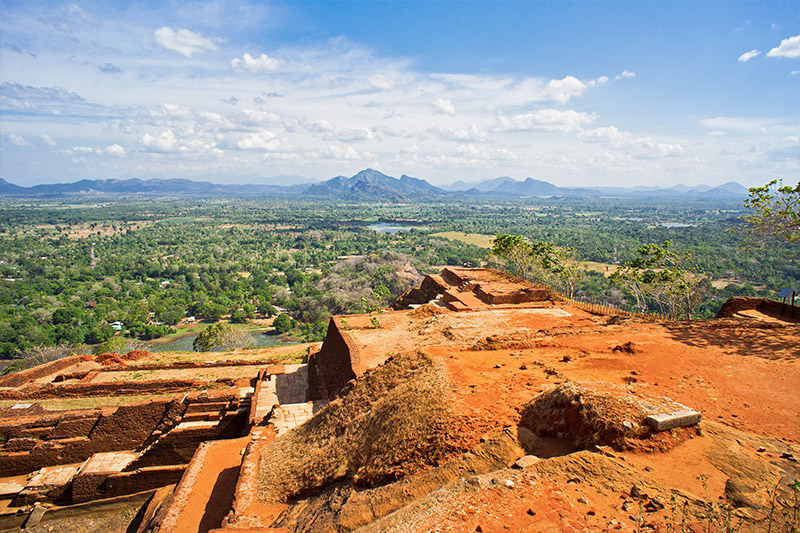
(476, 239)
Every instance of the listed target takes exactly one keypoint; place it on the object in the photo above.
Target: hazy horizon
(578, 94)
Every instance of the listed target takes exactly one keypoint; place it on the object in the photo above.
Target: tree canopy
(667, 277)
(542, 261)
(774, 214)
(221, 335)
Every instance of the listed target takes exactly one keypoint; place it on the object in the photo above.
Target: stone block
(682, 418)
(10, 488)
(526, 461)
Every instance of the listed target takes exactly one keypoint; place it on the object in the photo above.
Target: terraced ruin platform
(479, 403)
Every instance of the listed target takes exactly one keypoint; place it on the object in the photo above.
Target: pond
(384, 227)
(676, 225)
(184, 344)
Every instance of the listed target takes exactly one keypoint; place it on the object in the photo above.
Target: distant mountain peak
(373, 184)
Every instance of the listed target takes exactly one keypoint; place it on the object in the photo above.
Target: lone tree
(221, 335)
(667, 277)
(283, 323)
(542, 261)
(774, 214)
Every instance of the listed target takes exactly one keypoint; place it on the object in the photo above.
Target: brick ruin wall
(428, 290)
(337, 362)
(744, 303)
(28, 444)
(121, 388)
(86, 488)
(534, 294)
(451, 276)
(74, 437)
(25, 376)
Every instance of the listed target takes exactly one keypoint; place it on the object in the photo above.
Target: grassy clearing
(604, 268)
(477, 239)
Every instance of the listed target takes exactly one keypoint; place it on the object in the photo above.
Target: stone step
(684, 417)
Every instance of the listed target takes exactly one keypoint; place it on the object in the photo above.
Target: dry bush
(391, 422)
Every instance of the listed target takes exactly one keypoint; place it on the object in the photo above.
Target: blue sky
(575, 93)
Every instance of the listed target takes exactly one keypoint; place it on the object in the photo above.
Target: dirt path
(211, 495)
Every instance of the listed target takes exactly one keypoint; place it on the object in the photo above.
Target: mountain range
(151, 187)
(366, 185)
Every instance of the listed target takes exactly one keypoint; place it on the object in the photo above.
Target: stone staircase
(280, 399)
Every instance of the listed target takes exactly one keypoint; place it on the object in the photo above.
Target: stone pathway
(108, 462)
(52, 476)
(288, 416)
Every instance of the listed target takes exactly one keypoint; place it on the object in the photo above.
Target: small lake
(676, 225)
(184, 344)
(383, 227)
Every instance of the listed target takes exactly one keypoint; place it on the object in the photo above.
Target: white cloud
(635, 146)
(262, 63)
(16, 140)
(164, 142)
(354, 135)
(471, 134)
(599, 81)
(48, 101)
(337, 152)
(263, 140)
(183, 41)
(255, 117)
(443, 106)
(546, 119)
(564, 89)
(74, 9)
(116, 150)
(47, 140)
(747, 56)
(738, 124)
(626, 74)
(381, 81)
(788, 48)
(85, 150)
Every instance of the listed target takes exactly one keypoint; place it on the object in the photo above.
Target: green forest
(71, 268)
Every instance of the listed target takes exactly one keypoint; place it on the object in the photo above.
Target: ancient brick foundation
(25, 376)
(72, 437)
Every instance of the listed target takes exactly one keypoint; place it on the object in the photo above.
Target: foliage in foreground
(774, 214)
(665, 276)
(541, 261)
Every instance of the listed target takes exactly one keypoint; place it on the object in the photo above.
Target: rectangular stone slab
(682, 418)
